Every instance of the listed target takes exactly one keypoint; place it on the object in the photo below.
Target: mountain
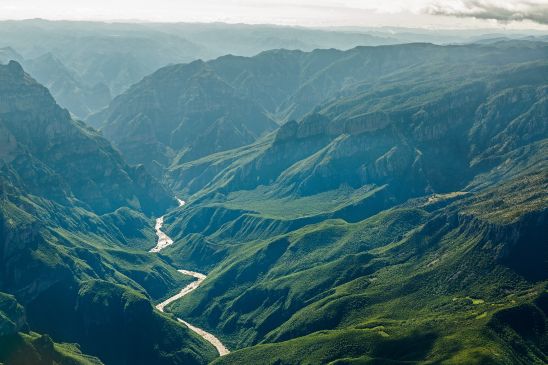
(393, 140)
(181, 112)
(181, 106)
(248, 40)
(70, 92)
(95, 171)
(290, 84)
(106, 58)
(116, 55)
(64, 85)
(85, 64)
(395, 116)
(74, 218)
(401, 219)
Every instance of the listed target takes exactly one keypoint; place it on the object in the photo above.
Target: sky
(450, 14)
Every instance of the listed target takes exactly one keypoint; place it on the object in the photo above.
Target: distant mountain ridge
(105, 59)
(181, 112)
(69, 91)
(279, 85)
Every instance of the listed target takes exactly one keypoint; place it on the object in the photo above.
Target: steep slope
(72, 214)
(399, 286)
(168, 117)
(58, 145)
(183, 112)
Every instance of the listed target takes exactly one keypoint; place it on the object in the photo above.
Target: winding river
(163, 241)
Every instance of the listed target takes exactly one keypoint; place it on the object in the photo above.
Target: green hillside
(379, 205)
(446, 278)
(74, 218)
(401, 221)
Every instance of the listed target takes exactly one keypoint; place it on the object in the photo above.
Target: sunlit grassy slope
(447, 284)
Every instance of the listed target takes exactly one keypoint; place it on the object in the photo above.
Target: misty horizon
(424, 14)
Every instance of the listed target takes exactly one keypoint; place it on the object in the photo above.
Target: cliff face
(435, 139)
(82, 166)
(12, 316)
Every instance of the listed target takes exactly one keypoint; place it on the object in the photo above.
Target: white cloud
(430, 13)
(501, 10)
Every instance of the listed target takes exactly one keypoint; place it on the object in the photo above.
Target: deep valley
(381, 203)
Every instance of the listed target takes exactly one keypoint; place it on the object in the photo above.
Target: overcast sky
(510, 14)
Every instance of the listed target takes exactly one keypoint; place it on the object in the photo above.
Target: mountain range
(164, 120)
(407, 211)
(378, 205)
(86, 64)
